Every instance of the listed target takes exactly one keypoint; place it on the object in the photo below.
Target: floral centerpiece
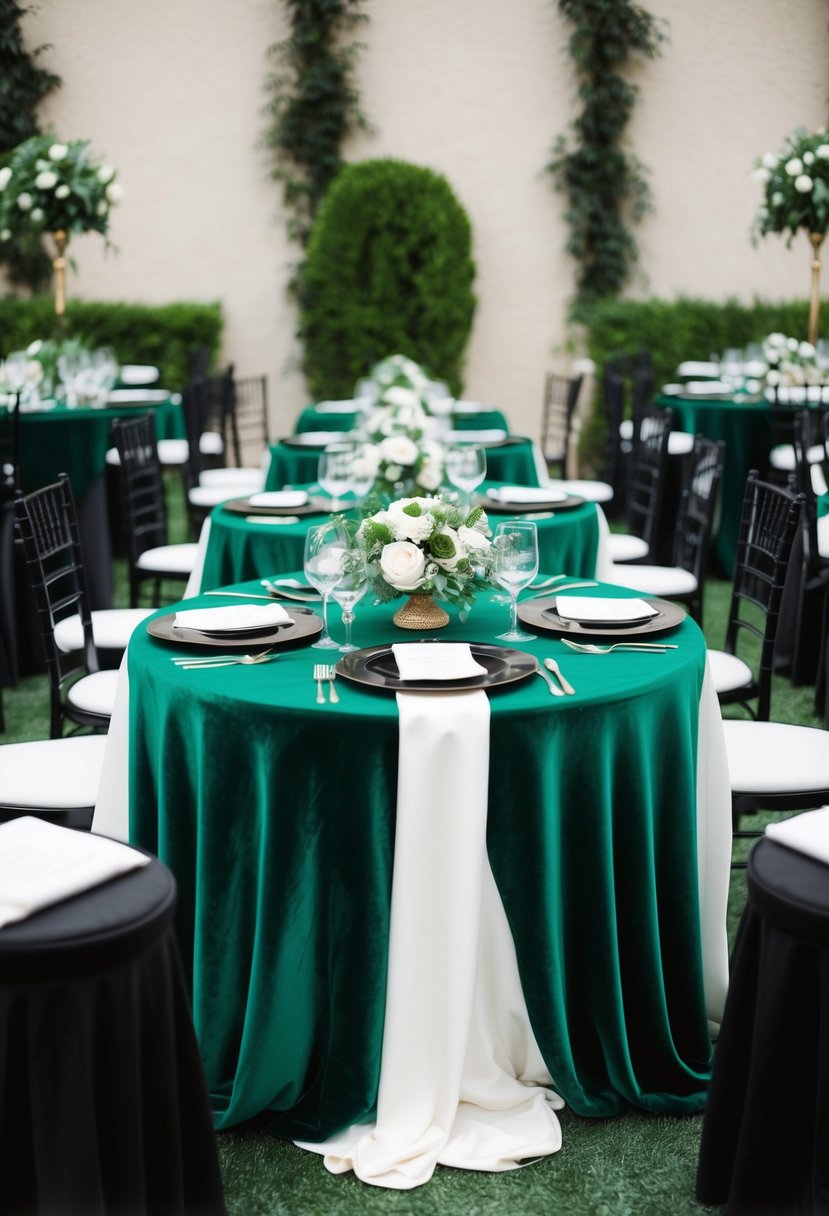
(426, 547)
(401, 371)
(790, 361)
(407, 458)
(51, 187)
(796, 197)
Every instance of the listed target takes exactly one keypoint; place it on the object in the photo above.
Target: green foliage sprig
(605, 186)
(315, 104)
(388, 268)
(23, 85)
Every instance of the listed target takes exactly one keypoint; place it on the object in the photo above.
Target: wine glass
(363, 469)
(349, 588)
(334, 472)
(15, 370)
(516, 565)
(466, 466)
(324, 545)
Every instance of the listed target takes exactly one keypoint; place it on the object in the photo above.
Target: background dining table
(608, 835)
(337, 416)
(235, 545)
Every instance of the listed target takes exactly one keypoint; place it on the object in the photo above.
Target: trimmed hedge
(139, 333)
(388, 270)
(673, 331)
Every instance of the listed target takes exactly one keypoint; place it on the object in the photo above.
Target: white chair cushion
(173, 451)
(94, 693)
(623, 547)
(112, 628)
(774, 757)
(211, 443)
(655, 580)
(593, 491)
(823, 536)
(211, 496)
(52, 774)
(232, 477)
(626, 429)
(113, 456)
(169, 559)
(727, 671)
(782, 457)
(680, 443)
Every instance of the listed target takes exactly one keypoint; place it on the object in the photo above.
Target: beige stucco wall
(172, 92)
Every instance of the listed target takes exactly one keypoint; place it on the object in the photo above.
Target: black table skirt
(103, 1108)
(765, 1138)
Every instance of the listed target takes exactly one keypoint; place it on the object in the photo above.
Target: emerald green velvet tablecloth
(75, 441)
(744, 424)
(276, 815)
(511, 461)
(315, 419)
(237, 549)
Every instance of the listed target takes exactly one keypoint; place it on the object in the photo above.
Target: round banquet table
(104, 1106)
(608, 834)
(772, 1056)
(235, 549)
(744, 424)
(333, 416)
(294, 461)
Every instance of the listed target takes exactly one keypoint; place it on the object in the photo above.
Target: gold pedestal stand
(61, 240)
(420, 612)
(814, 304)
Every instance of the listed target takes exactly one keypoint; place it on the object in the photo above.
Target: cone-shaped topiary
(388, 268)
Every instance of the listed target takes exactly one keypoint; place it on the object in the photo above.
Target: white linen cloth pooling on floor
(461, 1075)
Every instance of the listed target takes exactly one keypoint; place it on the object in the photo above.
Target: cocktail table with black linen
(607, 834)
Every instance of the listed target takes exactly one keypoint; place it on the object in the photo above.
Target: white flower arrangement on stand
(427, 547)
(407, 458)
(791, 362)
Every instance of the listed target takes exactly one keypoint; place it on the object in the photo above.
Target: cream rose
(473, 540)
(58, 152)
(5, 177)
(401, 397)
(399, 449)
(402, 565)
(46, 180)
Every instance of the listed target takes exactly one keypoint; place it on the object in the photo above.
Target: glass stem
(513, 611)
(348, 617)
(325, 634)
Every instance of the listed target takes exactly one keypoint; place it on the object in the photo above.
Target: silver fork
(644, 647)
(224, 660)
(331, 675)
(320, 674)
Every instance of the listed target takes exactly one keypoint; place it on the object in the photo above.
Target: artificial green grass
(633, 1165)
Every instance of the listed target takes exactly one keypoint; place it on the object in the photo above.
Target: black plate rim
(243, 506)
(368, 678)
(535, 613)
(305, 625)
(494, 507)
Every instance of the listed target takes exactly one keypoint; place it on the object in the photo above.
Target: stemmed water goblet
(334, 472)
(349, 588)
(516, 565)
(15, 371)
(466, 467)
(324, 546)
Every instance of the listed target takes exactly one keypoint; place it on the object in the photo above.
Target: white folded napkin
(272, 519)
(808, 833)
(435, 661)
(279, 498)
(237, 616)
(486, 436)
(336, 407)
(586, 609)
(129, 396)
(138, 373)
(41, 864)
(707, 388)
(521, 494)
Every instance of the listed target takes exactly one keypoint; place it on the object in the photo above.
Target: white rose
(413, 527)
(776, 339)
(402, 565)
(393, 472)
(37, 214)
(770, 160)
(773, 379)
(106, 173)
(34, 347)
(5, 177)
(792, 343)
(399, 449)
(24, 201)
(803, 183)
(58, 152)
(760, 174)
(473, 540)
(63, 191)
(806, 350)
(400, 397)
(430, 474)
(808, 158)
(46, 180)
(114, 192)
(777, 199)
(822, 152)
(794, 166)
(102, 208)
(6, 234)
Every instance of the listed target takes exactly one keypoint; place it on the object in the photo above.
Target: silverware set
(325, 673)
(189, 663)
(560, 686)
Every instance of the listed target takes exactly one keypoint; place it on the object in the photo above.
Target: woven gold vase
(420, 612)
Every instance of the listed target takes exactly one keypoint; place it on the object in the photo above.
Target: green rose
(442, 546)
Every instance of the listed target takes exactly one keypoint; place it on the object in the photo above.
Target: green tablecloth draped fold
(312, 419)
(277, 818)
